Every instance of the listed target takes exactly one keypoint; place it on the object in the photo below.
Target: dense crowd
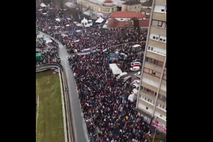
(104, 101)
(109, 115)
(73, 37)
(46, 52)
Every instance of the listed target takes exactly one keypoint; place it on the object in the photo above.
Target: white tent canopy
(84, 21)
(70, 4)
(57, 19)
(43, 5)
(99, 15)
(99, 20)
(132, 97)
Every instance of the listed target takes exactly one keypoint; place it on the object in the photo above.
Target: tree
(61, 3)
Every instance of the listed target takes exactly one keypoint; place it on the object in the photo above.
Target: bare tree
(61, 3)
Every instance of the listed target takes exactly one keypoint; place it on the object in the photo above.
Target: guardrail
(69, 121)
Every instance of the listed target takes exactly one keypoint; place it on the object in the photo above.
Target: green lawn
(49, 123)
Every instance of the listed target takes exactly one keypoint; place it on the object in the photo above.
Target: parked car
(123, 56)
(138, 74)
(135, 68)
(127, 78)
(136, 81)
(120, 75)
(135, 84)
(136, 64)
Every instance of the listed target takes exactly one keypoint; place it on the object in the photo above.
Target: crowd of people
(46, 52)
(109, 115)
(59, 25)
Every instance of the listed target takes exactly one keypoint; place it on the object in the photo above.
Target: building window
(159, 9)
(146, 70)
(162, 98)
(164, 77)
(153, 37)
(154, 22)
(160, 23)
(161, 115)
(158, 74)
(151, 48)
(153, 73)
(146, 108)
(163, 107)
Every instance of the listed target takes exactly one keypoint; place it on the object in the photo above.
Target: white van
(136, 47)
(120, 75)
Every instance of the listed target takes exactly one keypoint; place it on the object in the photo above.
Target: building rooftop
(108, 1)
(147, 3)
(144, 23)
(131, 2)
(126, 14)
(113, 23)
(148, 10)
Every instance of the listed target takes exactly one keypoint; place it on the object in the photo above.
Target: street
(78, 121)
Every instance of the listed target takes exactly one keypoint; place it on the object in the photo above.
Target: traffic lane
(132, 75)
(78, 120)
(79, 123)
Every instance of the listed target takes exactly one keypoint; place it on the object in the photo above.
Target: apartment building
(151, 101)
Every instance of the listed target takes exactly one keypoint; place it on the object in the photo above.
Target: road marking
(37, 113)
(63, 107)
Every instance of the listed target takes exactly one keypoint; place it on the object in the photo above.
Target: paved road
(79, 123)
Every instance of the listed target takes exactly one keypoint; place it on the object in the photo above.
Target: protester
(109, 115)
(63, 28)
(104, 101)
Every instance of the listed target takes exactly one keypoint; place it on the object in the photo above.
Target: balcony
(162, 92)
(147, 95)
(158, 31)
(161, 111)
(165, 71)
(151, 77)
(159, 16)
(153, 67)
(155, 56)
(146, 104)
(160, 45)
(149, 87)
(161, 102)
(160, 2)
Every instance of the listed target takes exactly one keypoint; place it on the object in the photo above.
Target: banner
(159, 127)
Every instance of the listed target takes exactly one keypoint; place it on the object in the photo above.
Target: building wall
(135, 8)
(153, 78)
(97, 7)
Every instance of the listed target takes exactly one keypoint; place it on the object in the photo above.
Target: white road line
(37, 113)
(63, 108)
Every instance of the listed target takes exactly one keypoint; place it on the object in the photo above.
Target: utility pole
(154, 135)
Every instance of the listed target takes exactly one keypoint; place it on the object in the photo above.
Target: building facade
(131, 5)
(151, 101)
(101, 6)
(127, 19)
